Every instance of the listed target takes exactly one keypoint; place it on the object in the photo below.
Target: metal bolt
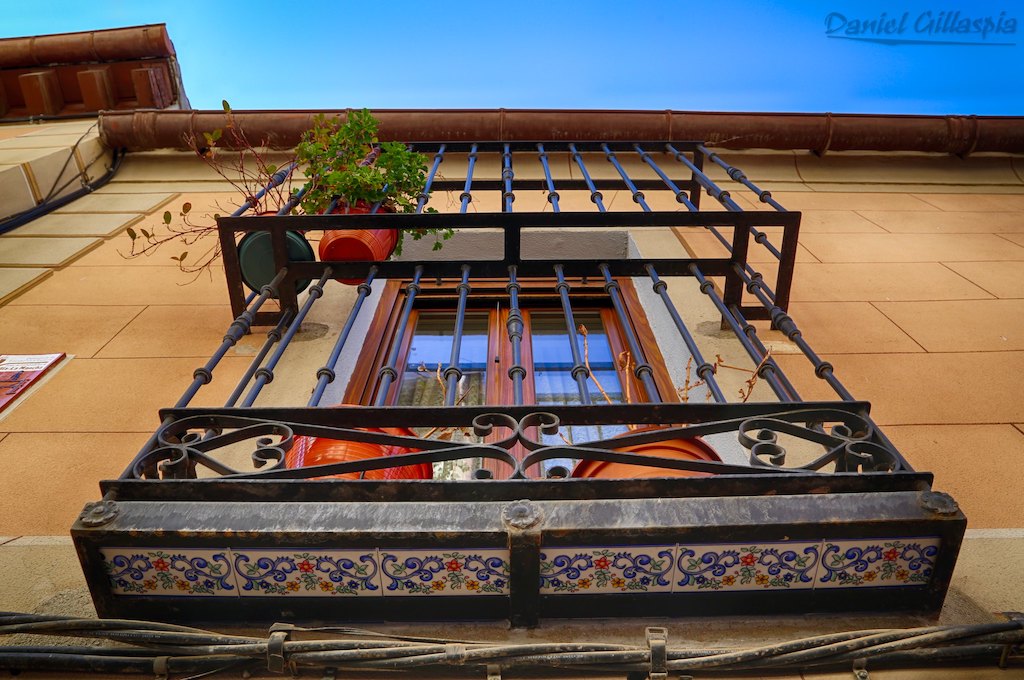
(521, 514)
(940, 503)
(99, 513)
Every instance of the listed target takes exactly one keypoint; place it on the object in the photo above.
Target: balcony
(804, 506)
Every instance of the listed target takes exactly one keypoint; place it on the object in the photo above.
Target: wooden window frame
(535, 294)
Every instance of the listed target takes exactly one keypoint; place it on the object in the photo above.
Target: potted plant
(348, 169)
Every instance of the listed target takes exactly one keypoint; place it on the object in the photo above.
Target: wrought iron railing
(850, 526)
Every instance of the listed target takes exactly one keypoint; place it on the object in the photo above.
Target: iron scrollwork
(850, 444)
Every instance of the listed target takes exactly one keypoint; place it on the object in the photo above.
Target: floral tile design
(880, 562)
(153, 571)
(621, 569)
(771, 566)
(307, 573)
(444, 572)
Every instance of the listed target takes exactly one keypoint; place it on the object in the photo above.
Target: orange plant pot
(678, 449)
(308, 451)
(358, 245)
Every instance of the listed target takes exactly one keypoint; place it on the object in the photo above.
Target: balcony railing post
(388, 372)
(579, 369)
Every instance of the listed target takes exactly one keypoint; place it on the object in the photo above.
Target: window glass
(552, 368)
(429, 353)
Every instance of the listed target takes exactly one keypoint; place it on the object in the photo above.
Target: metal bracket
(523, 522)
(279, 634)
(860, 669)
(657, 642)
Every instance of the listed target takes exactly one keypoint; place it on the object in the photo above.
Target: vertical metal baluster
(273, 336)
(579, 369)
(275, 180)
(552, 194)
(265, 374)
(513, 235)
(453, 373)
(514, 325)
(681, 197)
(387, 373)
(751, 332)
(724, 198)
(769, 369)
(467, 193)
(424, 196)
(642, 369)
(784, 322)
(238, 328)
(737, 175)
(705, 371)
(595, 196)
(638, 196)
(325, 375)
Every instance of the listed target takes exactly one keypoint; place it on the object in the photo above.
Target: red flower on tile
(601, 563)
(305, 566)
(161, 565)
(748, 560)
(891, 554)
(453, 565)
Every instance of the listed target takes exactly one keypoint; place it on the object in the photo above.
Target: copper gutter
(820, 132)
(116, 44)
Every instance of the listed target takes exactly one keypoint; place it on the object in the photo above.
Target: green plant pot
(256, 258)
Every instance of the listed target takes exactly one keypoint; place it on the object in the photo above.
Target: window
(486, 352)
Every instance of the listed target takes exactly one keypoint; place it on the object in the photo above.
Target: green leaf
(167, 217)
(227, 107)
(145, 233)
(271, 169)
(131, 234)
(185, 208)
(215, 135)
(181, 258)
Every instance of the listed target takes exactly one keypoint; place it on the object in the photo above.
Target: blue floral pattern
(298, 572)
(162, 572)
(301, 572)
(602, 570)
(471, 572)
(789, 566)
(885, 562)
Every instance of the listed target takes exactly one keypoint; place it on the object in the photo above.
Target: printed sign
(19, 371)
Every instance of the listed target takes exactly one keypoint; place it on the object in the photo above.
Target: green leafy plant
(345, 161)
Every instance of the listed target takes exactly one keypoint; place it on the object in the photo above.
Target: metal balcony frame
(846, 513)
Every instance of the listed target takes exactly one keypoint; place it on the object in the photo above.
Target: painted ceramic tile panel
(747, 566)
(169, 571)
(307, 573)
(619, 569)
(879, 562)
(444, 572)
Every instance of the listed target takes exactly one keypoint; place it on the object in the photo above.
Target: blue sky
(732, 56)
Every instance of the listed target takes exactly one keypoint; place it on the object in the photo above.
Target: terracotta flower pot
(679, 449)
(358, 245)
(308, 451)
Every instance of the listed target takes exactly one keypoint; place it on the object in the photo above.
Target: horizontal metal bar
(595, 414)
(581, 220)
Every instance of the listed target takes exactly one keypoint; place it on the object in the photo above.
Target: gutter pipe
(144, 130)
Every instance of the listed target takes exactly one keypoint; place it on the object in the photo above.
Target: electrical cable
(23, 218)
(164, 648)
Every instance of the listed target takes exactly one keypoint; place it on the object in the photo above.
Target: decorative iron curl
(847, 445)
